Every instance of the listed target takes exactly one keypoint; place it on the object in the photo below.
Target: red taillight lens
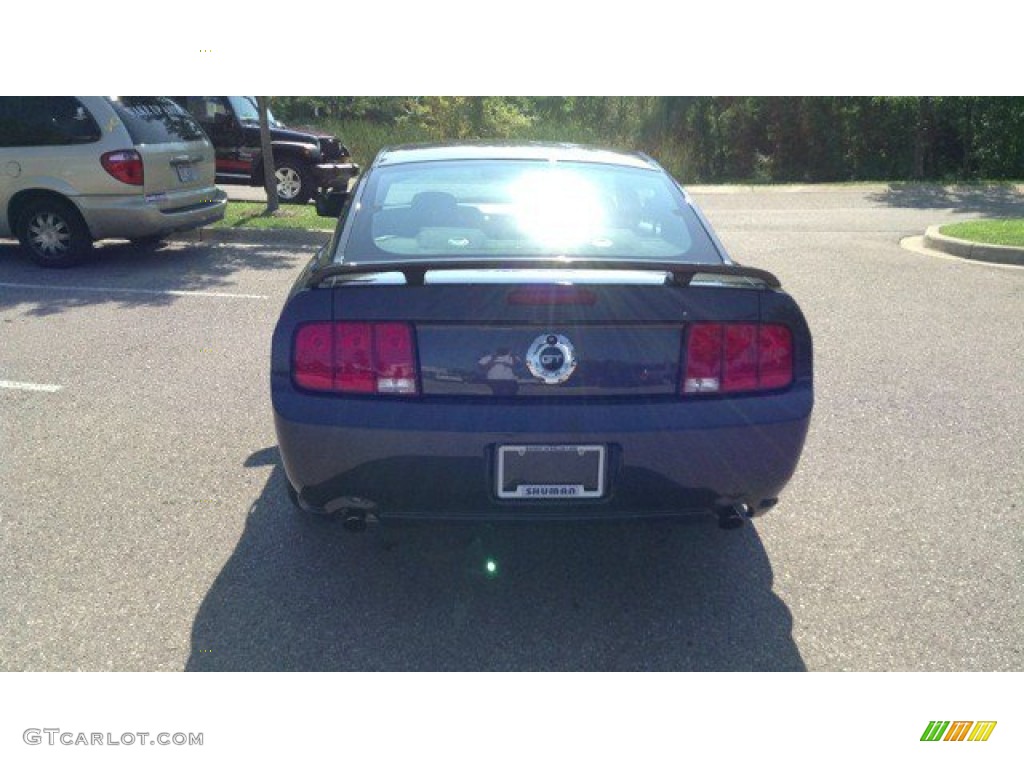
(704, 359)
(775, 356)
(737, 357)
(124, 165)
(395, 359)
(359, 358)
(354, 358)
(740, 369)
(313, 356)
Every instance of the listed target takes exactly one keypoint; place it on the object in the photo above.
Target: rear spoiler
(415, 271)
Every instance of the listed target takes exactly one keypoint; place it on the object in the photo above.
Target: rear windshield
(524, 208)
(156, 120)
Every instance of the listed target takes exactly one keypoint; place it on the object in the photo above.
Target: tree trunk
(968, 137)
(921, 136)
(269, 176)
(478, 111)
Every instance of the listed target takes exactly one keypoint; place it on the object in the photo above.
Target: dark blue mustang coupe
(538, 331)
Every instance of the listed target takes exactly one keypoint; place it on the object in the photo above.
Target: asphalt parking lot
(144, 526)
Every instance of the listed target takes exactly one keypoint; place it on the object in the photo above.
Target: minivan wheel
(294, 182)
(54, 233)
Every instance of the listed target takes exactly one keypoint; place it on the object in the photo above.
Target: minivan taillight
(737, 357)
(355, 358)
(124, 165)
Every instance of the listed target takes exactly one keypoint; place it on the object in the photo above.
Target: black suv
(306, 162)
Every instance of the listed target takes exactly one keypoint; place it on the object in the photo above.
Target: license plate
(186, 172)
(551, 472)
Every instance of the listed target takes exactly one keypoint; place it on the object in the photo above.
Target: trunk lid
(176, 171)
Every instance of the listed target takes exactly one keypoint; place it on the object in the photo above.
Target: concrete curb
(933, 239)
(965, 249)
(278, 237)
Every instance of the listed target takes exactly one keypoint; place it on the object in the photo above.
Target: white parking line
(147, 291)
(30, 387)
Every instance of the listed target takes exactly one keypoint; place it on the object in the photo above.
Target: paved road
(143, 524)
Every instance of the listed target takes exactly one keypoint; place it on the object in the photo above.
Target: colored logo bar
(958, 730)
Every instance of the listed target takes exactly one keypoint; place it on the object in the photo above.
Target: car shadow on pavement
(298, 595)
(123, 275)
(988, 199)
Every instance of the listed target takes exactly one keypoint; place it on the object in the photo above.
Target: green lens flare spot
(491, 567)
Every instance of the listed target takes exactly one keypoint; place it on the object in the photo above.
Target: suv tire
(53, 232)
(294, 181)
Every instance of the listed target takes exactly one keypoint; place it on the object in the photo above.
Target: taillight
(357, 358)
(704, 359)
(313, 357)
(395, 359)
(124, 165)
(774, 356)
(739, 369)
(737, 357)
(353, 350)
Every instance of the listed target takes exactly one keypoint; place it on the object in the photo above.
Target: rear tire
(54, 233)
(295, 184)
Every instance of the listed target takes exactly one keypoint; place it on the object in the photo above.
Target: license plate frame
(580, 477)
(186, 172)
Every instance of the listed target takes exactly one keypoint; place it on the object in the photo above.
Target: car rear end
(335, 168)
(161, 172)
(542, 387)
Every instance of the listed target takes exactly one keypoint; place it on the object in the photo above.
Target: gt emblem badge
(551, 358)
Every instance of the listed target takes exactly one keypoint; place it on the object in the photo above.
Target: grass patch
(253, 216)
(989, 231)
(365, 138)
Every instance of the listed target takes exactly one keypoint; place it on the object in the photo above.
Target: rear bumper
(132, 216)
(334, 174)
(436, 459)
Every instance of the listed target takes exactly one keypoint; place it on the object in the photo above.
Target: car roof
(496, 150)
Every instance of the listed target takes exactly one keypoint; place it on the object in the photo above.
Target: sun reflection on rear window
(528, 208)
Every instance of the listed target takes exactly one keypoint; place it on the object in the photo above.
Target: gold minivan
(75, 169)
